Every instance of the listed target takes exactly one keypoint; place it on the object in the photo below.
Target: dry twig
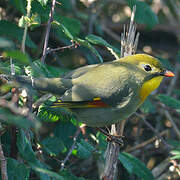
(48, 31)
(129, 41)
(145, 143)
(4, 175)
(72, 147)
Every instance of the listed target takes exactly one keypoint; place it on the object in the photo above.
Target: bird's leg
(115, 138)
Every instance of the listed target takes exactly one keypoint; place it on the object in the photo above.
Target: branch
(26, 26)
(72, 148)
(13, 108)
(4, 175)
(129, 41)
(154, 130)
(73, 45)
(48, 31)
(145, 143)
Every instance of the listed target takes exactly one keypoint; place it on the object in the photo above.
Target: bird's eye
(147, 67)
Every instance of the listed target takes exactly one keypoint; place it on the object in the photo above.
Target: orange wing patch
(95, 103)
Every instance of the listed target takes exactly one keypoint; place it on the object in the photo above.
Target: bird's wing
(99, 86)
(82, 97)
(79, 71)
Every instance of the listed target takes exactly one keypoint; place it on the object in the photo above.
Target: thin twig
(145, 143)
(93, 16)
(48, 31)
(26, 26)
(73, 45)
(176, 129)
(154, 130)
(71, 149)
(4, 175)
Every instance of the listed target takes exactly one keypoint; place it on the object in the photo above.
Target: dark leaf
(43, 2)
(84, 149)
(11, 30)
(144, 14)
(98, 40)
(68, 176)
(17, 55)
(89, 46)
(16, 170)
(53, 145)
(169, 101)
(147, 106)
(135, 166)
(27, 153)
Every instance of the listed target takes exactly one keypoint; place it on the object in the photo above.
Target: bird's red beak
(168, 73)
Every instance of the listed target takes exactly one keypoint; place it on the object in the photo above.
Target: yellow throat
(150, 86)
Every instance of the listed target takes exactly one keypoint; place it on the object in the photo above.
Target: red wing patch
(95, 103)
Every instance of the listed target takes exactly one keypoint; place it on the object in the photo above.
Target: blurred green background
(36, 143)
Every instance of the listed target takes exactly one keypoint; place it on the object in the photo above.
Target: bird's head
(152, 72)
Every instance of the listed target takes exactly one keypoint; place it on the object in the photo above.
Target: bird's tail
(56, 86)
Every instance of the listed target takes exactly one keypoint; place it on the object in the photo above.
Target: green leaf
(47, 172)
(65, 131)
(176, 91)
(17, 120)
(11, 30)
(135, 166)
(175, 153)
(38, 69)
(19, 5)
(89, 46)
(53, 145)
(102, 142)
(17, 55)
(147, 107)
(84, 149)
(73, 25)
(98, 40)
(43, 2)
(144, 14)
(126, 163)
(64, 29)
(68, 176)
(27, 153)
(46, 113)
(16, 170)
(66, 5)
(5, 43)
(169, 101)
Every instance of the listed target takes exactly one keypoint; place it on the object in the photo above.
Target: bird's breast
(150, 86)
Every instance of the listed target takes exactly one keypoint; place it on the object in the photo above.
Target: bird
(102, 94)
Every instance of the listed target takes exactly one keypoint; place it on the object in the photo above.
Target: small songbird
(103, 94)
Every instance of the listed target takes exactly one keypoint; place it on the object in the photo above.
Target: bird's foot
(118, 139)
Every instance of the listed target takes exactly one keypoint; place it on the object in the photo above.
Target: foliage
(35, 143)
